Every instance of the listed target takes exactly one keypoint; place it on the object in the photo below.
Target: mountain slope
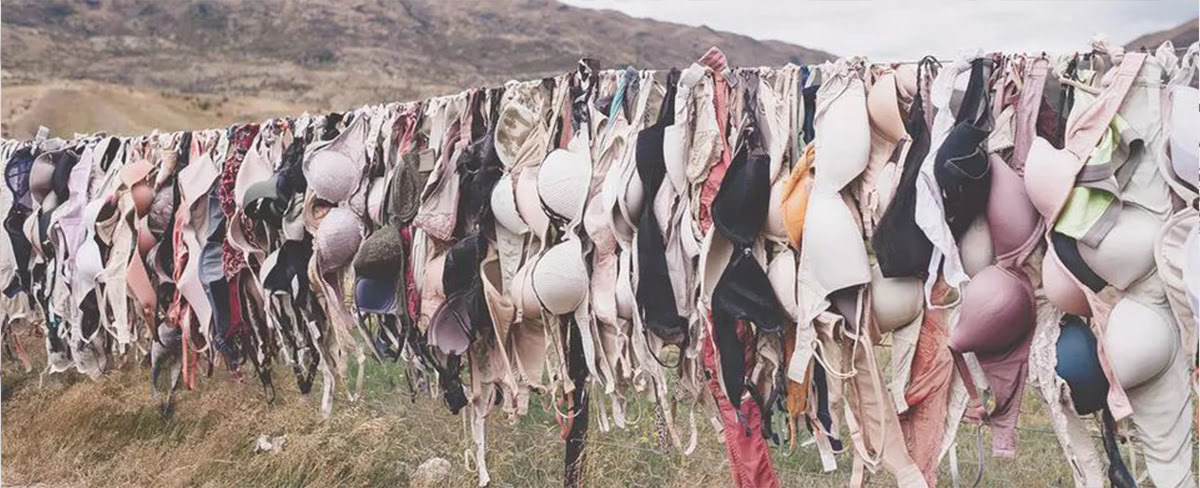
(1181, 36)
(345, 53)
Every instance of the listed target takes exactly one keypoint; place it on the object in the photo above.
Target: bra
(1060, 288)
(883, 105)
(1140, 342)
(504, 206)
(375, 295)
(901, 247)
(529, 205)
(523, 294)
(1126, 255)
(1011, 217)
(895, 302)
(333, 170)
(796, 192)
(338, 238)
(559, 278)
(837, 255)
(563, 182)
(997, 311)
(841, 120)
(1079, 365)
(975, 247)
(961, 165)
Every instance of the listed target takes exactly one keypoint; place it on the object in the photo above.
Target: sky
(900, 30)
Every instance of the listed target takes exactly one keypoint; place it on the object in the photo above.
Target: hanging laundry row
(727, 242)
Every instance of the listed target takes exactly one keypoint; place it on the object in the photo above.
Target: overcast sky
(908, 29)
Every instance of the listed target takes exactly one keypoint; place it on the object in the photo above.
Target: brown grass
(77, 432)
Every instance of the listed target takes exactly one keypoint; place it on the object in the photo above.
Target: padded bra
(997, 311)
(560, 277)
(563, 182)
(844, 143)
(504, 206)
(883, 107)
(338, 238)
(797, 189)
(838, 257)
(1140, 342)
(1060, 289)
(529, 205)
(1079, 365)
(896, 302)
(975, 247)
(1011, 217)
(1126, 254)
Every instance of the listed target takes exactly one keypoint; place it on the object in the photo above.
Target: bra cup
(675, 156)
(975, 247)
(1060, 288)
(1079, 365)
(836, 253)
(781, 272)
(328, 176)
(717, 251)
(529, 205)
(143, 196)
(797, 191)
(1140, 342)
(338, 238)
(560, 278)
(522, 291)
(1185, 134)
(883, 108)
(504, 206)
(774, 228)
(844, 143)
(376, 199)
(1049, 176)
(896, 302)
(145, 242)
(635, 198)
(447, 330)
(1126, 254)
(562, 183)
(1011, 217)
(997, 311)
(88, 265)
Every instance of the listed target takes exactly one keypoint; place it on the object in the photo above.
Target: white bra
(1140, 342)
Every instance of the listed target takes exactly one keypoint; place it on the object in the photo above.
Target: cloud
(908, 29)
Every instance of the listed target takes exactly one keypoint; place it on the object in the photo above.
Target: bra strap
(1086, 131)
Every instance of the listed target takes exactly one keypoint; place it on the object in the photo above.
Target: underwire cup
(1140, 342)
(1126, 254)
(997, 312)
(836, 252)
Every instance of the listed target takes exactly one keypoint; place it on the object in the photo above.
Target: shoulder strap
(1085, 132)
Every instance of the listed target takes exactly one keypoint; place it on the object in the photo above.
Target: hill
(324, 55)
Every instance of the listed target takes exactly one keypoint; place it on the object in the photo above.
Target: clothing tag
(42, 133)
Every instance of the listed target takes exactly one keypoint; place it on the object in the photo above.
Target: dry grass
(77, 432)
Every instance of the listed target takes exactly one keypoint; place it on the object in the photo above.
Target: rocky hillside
(1181, 36)
(338, 54)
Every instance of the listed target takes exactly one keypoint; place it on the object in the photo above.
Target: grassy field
(76, 432)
